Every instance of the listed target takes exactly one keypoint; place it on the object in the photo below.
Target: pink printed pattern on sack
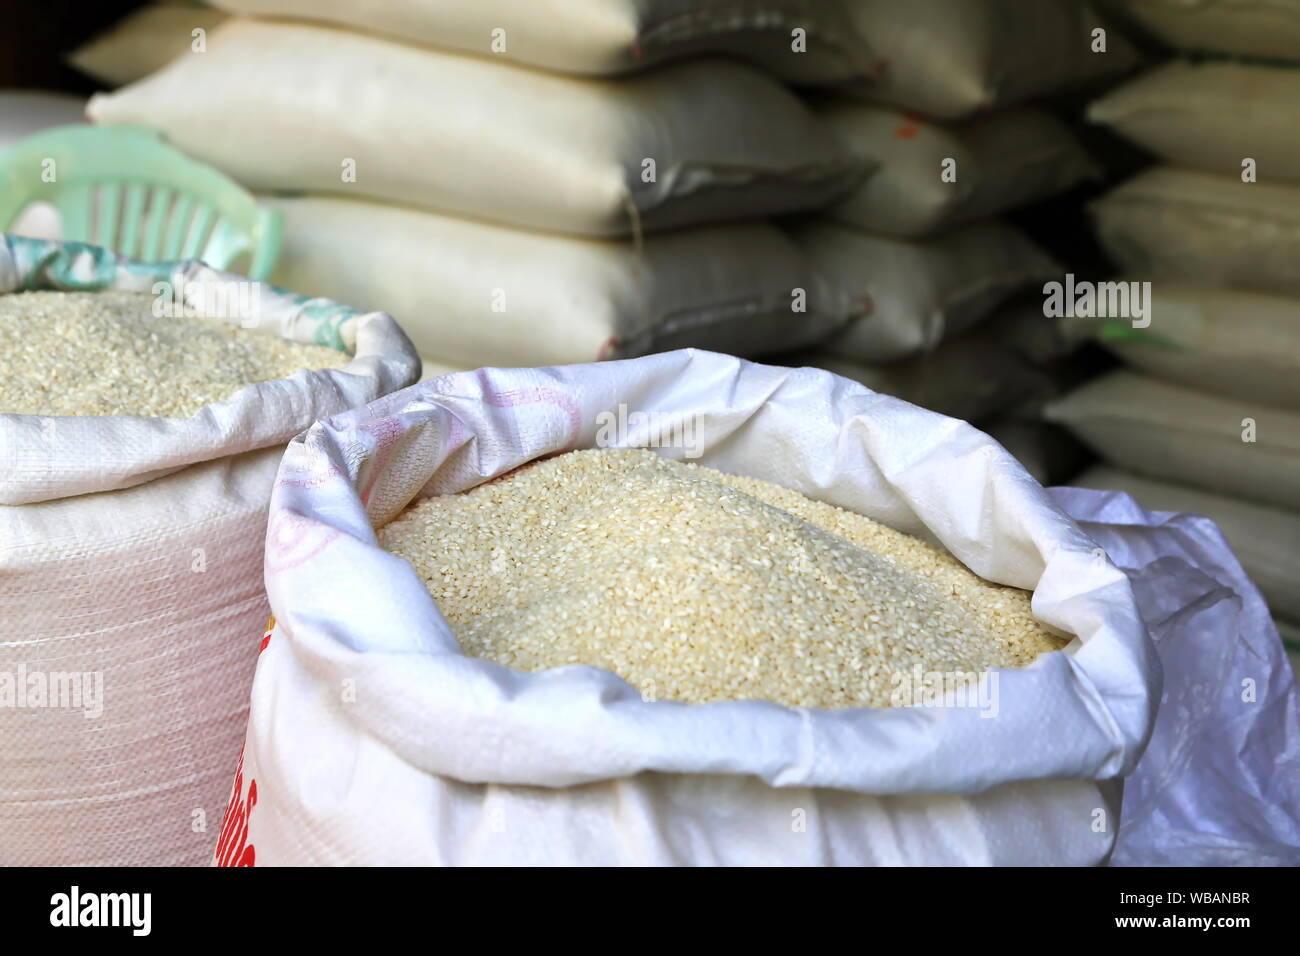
(294, 540)
(517, 397)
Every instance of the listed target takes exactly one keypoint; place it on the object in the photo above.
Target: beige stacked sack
(606, 37)
(909, 296)
(1268, 29)
(1003, 161)
(1213, 420)
(916, 252)
(294, 106)
(1225, 445)
(1211, 116)
(1226, 210)
(478, 294)
(952, 58)
(1233, 343)
(146, 40)
(1170, 223)
(943, 57)
(506, 214)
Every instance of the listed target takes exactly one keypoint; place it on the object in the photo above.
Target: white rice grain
(698, 586)
(106, 353)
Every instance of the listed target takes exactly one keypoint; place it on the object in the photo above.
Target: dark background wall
(35, 34)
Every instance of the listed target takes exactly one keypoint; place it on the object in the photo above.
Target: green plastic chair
(123, 188)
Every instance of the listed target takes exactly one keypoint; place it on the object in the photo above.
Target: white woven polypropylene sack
(952, 58)
(1229, 446)
(803, 41)
(131, 562)
(481, 294)
(1171, 223)
(1222, 341)
(1212, 116)
(998, 162)
(373, 739)
(293, 106)
(1269, 29)
(905, 297)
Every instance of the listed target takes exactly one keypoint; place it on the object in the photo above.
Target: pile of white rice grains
(698, 586)
(106, 353)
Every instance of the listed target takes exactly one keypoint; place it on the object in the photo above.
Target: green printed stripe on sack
(1124, 333)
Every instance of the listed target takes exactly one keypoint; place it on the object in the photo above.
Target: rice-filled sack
(802, 41)
(480, 294)
(1212, 116)
(952, 58)
(1268, 29)
(293, 106)
(617, 650)
(1223, 341)
(1228, 446)
(906, 297)
(143, 411)
(145, 40)
(1171, 223)
(927, 177)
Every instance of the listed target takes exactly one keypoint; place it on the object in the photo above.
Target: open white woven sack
(131, 555)
(82, 455)
(385, 770)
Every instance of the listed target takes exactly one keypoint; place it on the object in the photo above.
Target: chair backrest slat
(128, 234)
(160, 207)
(106, 210)
(198, 232)
(178, 225)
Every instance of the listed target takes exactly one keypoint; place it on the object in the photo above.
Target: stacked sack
(510, 214)
(917, 253)
(1208, 412)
